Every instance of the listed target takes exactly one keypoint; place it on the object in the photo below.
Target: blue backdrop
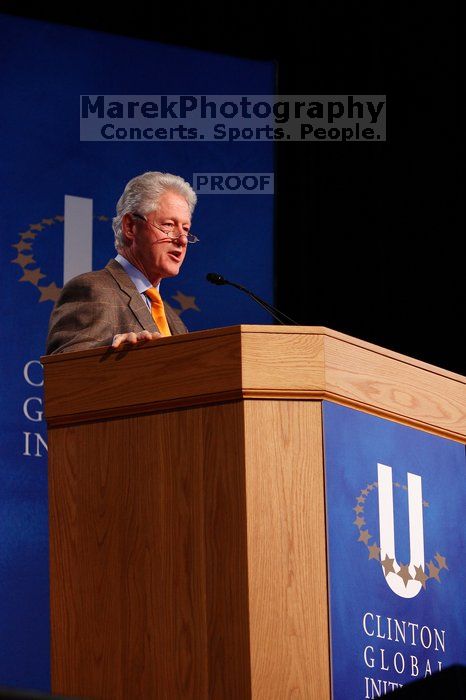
(45, 68)
(367, 617)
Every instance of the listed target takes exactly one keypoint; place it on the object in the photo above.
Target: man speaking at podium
(121, 304)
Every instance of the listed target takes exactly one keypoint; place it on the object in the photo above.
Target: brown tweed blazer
(94, 307)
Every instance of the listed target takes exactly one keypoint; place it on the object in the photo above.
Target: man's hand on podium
(133, 338)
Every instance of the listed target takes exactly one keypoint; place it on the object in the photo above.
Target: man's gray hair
(142, 195)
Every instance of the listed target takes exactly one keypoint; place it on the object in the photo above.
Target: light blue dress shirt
(137, 278)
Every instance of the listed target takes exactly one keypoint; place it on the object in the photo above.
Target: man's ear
(128, 227)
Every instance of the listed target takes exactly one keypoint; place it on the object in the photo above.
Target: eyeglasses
(169, 230)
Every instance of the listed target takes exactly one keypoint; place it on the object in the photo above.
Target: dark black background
(369, 237)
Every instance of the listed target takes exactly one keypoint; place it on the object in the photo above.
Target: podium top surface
(254, 362)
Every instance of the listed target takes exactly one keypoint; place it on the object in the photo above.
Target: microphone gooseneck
(215, 278)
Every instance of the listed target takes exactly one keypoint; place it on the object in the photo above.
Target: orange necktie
(157, 310)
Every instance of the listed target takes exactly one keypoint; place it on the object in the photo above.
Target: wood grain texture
(188, 534)
(288, 606)
(255, 362)
(93, 381)
(400, 389)
(280, 362)
(184, 556)
(339, 368)
(148, 557)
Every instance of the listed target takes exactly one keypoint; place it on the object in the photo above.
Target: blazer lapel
(175, 323)
(135, 303)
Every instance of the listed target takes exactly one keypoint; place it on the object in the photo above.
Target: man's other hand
(134, 338)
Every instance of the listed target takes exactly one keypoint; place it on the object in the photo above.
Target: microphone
(215, 278)
(278, 315)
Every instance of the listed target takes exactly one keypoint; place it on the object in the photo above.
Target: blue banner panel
(58, 195)
(396, 499)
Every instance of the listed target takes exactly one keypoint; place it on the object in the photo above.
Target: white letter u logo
(400, 583)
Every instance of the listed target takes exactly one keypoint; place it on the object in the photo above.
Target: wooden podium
(187, 513)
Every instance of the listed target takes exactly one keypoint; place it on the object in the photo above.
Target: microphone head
(215, 278)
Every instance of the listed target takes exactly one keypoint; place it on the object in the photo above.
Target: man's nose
(181, 239)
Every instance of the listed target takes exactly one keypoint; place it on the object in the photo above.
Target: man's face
(148, 248)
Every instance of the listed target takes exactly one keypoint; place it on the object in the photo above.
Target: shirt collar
(138, 279)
